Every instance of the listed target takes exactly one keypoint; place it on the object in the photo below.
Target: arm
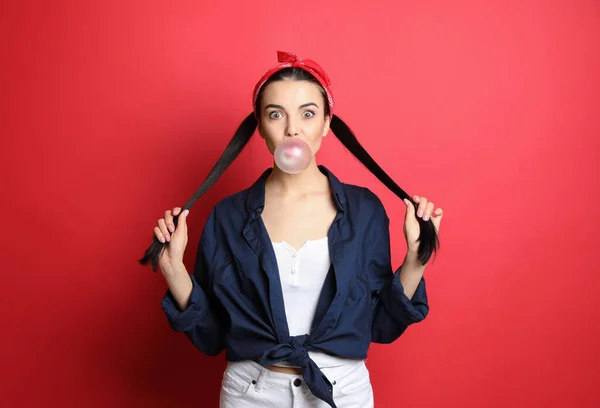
(180, 286)
(411, 273)
(190, 305)
(399, 299)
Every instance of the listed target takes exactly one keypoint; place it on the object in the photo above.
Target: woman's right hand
(176, 239)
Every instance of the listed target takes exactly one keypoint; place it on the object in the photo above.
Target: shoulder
(364, 199)
(366, 212)
(231, 207)
(226, 216)
(232, 202)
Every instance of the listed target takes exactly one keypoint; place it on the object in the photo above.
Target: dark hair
(429, 241)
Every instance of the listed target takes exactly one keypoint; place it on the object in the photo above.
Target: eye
(275, 115)
(308, 114)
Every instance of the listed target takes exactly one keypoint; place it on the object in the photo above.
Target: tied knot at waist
(295, 351)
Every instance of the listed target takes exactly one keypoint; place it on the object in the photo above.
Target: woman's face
(292, 109)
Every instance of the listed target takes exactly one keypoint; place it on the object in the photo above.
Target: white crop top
(302, 273)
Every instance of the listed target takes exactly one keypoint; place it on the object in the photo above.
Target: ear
(326, 127)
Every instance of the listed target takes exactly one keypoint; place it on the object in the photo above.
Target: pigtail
(429, 241)
(236, 145)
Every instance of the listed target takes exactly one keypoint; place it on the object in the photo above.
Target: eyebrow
(300, 107)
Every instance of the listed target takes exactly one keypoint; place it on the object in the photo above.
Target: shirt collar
(256, 195)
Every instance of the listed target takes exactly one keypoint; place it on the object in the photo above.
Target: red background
(114, 111)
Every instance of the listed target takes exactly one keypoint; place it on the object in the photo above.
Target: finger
(428, 211)
(176, 211)
(422, 206)
(169, 221)
(437, 218)
(410, 206)
(410, 212)
(436, 222)
(181, 223)
(159, 235)
(163, 228)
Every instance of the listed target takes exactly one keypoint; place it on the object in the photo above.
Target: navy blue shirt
(237, 301)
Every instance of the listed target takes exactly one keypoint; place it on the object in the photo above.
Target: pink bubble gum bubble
(292, 155)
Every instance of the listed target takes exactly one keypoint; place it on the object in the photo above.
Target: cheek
(271, 137)
(315, 137)
(315, 144)
(271, 144)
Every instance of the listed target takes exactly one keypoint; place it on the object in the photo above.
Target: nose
(291, 128)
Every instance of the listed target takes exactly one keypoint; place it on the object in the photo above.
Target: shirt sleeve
(202, 320)
(392, 310)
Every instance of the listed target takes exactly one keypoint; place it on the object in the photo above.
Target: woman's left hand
(425, 210)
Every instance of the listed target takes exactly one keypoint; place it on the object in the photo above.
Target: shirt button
(297, 382)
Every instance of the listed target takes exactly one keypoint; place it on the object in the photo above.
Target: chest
(298, 221)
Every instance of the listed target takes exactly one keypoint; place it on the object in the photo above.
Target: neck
(311, 179)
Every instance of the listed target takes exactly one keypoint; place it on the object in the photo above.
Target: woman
(293, 274)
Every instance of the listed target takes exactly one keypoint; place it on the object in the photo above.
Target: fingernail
(171, 228)
(420, 213)
(426, 217)
(168, 239)
(186, 212)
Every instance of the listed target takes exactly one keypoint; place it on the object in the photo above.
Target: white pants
(246, 384)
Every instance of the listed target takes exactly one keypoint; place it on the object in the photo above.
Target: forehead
(292, 93)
